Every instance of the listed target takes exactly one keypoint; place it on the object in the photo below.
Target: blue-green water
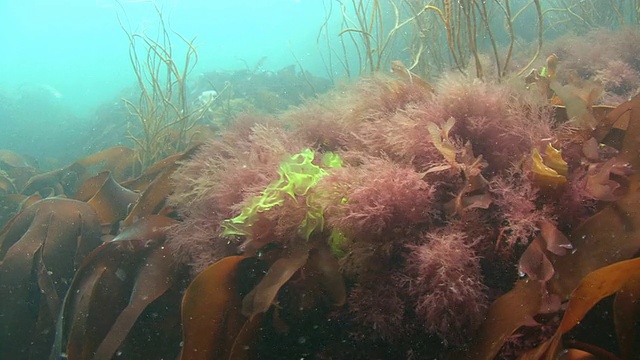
(78, 48)
(63, 59)
(65, 66)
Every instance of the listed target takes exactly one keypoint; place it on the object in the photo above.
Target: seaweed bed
(386, 219)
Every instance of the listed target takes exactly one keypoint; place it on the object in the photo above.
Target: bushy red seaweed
(451, 298)
(213, 185)
(606, 56)
(375, 198)
(436, 192)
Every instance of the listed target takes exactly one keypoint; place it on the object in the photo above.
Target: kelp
(259, 300)
(119, 160)
(69, 180)
(6, 184)
(591, 289)
(211, 317)
(40, 248)
(612, 234)
(121, 284)
(114, 289)
(112, 201)
(12, 159)
(220, 322)
(599, 266)
(508, 313)
(626, 312)
(142, 182)
(16, 167)
(153, 198)
(316, 265)
(63, 181)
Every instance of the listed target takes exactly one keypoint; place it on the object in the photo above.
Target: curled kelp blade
(613, 234)
(152, 229)
(626, 316)
(11, 159)
(40, 249)
(616, 120)
(260, 299)
(10, 205)
(112, 201)
(6, 184)
(211, 317)
(610, 236)
(64, 181)
(142, 182)
(119, 160)
(156, 274)
(112, 291)
(98, 293)
(509, 312)
(17, 167)
(592, 288)
(155, 194)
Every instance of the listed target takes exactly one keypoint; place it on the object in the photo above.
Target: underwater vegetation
(389, 218)
(489, 214)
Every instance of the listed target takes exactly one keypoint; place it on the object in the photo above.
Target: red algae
(451, 298)
(435, 192)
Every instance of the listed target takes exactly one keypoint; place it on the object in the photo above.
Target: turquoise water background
(76, 49)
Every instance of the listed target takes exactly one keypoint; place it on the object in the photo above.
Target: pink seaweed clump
(447, 284)
(501, 131)
(212, 186)
(618, 77)
(379, 307)
(515, 196)
(371, 199)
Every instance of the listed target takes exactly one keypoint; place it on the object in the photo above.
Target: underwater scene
(320, 179)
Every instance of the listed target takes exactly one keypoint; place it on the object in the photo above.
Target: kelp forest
(464, 185)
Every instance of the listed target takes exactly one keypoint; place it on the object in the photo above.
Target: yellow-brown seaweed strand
(446, 17)
(540, 34)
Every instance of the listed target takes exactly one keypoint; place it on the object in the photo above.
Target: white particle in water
(121, 274)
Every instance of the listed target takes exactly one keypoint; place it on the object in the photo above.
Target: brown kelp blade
(142, 182)
(112, 201)
(612, 234)
(260, 299)
(6, 184)
(593, 288)
(10, 205)
(121, 161)
(152, 229)
(113, 288)
(509, 312)
(211, 316)
(153, 198)
(64, 181)
(41, 248)
(98, 293)
(245, 339)
(17, 167)
(617, 118)
(626, 315)
(156, 275)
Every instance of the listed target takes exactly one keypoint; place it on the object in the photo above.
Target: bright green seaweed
(298, 174)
